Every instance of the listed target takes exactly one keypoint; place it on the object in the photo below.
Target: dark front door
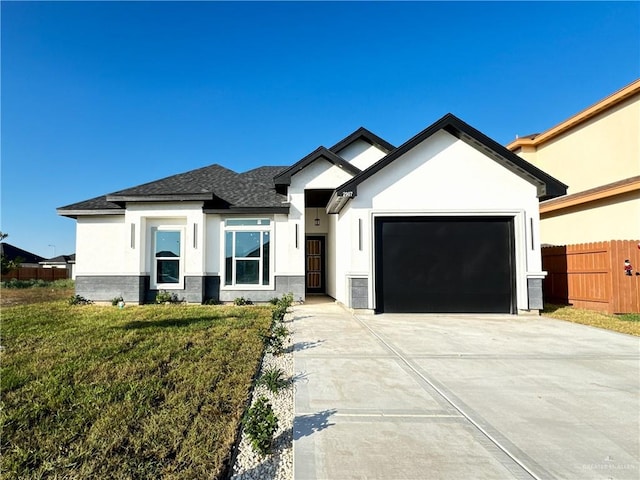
(314, 253)
(444, 264)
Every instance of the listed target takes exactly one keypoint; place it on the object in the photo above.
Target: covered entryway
(444, 264)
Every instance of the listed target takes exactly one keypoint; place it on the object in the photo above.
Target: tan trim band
(610, 101)
(598, 193)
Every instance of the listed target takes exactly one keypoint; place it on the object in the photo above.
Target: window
(247, 252)
(167, 257)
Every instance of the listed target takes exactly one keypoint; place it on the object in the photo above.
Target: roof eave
(249, 210)
(284, 178)
(611, 101)
(363, 134)
(74, 213)
(547, 186)
(339, 198)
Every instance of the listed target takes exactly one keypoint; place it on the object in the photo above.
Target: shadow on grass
(553, 307)
(305, 425)
(166, 323)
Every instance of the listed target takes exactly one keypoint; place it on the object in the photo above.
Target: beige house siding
(594, 148)
(604, 149)
(609, 218)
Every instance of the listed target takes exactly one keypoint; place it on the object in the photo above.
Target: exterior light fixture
(316, 221)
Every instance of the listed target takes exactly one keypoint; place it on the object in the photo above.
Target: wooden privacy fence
(34, 273)
(592, 275)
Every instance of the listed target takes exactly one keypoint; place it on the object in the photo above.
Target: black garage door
(444, 264)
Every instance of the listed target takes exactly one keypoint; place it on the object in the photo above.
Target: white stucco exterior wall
(361, 154)
(319, 175)
(99, 245)
(185, 216)
(288, 250)
(213, 247)
(442, 176)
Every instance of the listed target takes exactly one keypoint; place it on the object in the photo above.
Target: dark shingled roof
(11, 252)
(60, 260)
(219, 188)
(200, 181)
(97, 203)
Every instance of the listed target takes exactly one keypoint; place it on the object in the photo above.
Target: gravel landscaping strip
(250, 465)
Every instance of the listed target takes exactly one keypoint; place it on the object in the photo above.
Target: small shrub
(274, 301)
(274, 379)
(286, 300)
(166, 297)
(281, 307)
(212, 301)
(275, 341)
(260, 424)
(15, 283)
(242, 301)
(115, 301)
(278, 314)
(79, 300)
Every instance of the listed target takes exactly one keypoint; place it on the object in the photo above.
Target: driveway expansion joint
(493, 436)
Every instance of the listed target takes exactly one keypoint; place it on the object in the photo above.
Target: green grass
(61, 289)
(15, 283)
(626, 323)
(154, 391)
(629, 317)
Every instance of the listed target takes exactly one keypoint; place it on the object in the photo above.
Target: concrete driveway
(462, 397)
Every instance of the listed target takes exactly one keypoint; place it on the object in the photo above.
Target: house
(597, 152)
(13, 253)
(446, 222)
(62, 261)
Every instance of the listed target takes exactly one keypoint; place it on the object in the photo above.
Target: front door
(314, 253)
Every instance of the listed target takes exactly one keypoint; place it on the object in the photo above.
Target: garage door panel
(444, 264)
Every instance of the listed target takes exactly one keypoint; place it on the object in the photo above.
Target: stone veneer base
(197, 289)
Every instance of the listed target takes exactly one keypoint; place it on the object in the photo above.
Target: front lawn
(628, 323)
(21, 292)
(154, 391)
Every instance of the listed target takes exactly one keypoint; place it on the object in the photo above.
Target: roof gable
(362, 134)
(320, 153)
(548, 187)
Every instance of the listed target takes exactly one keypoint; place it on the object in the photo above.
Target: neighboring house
(597, 153)
(446, 222)
(26, 259)
(62, 261)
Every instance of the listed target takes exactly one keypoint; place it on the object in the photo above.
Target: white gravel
(278, 465)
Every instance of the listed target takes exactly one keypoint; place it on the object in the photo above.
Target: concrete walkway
(462, 397)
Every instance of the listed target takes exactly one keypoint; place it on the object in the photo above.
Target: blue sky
(100, 96)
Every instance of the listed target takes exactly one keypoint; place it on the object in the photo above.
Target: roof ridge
(176, 175)
(365, 134)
